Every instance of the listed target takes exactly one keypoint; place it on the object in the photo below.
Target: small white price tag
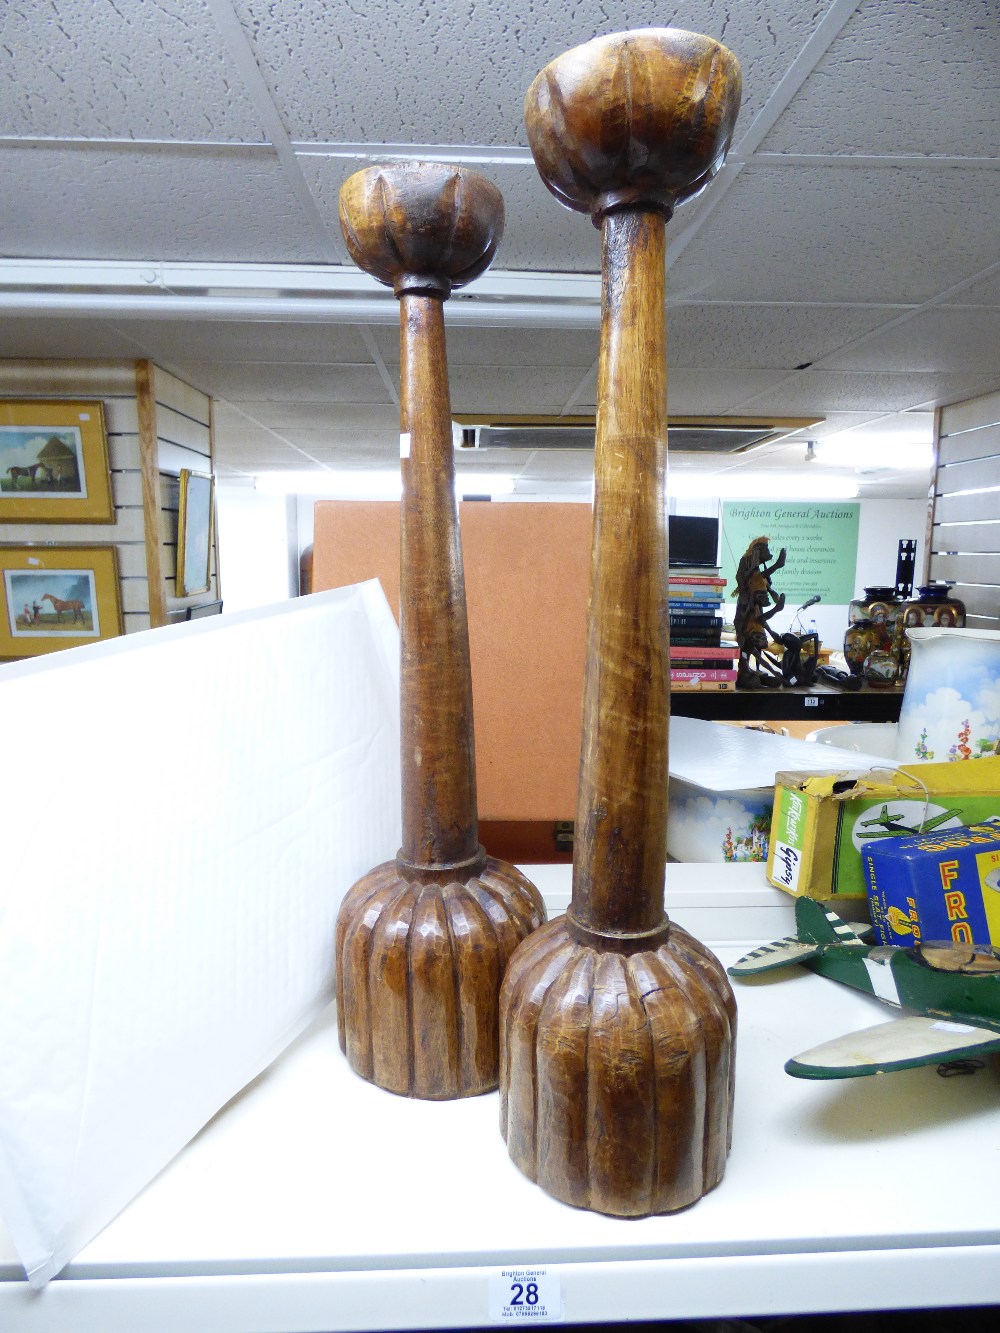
(532, 1295)
(404, 444)
(810, 703)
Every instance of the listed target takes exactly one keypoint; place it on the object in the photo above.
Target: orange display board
(527, 579)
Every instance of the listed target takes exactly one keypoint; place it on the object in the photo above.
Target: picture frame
(54, 597)
(54, 462)
(194, 532)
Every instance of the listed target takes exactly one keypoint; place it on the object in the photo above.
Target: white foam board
(183, 811)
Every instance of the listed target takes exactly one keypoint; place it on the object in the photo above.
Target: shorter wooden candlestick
(423, 941)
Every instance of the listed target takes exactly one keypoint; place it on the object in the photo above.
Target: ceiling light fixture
(300, 292)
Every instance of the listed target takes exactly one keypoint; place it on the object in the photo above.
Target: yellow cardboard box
(821, 821)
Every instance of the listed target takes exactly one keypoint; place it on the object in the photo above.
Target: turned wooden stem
(438, 756)
(620, 844)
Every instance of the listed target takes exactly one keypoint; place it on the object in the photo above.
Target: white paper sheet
(182, 813)
(723, 758)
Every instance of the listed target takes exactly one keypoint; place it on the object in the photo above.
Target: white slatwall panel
(965, 536)
(114, 384)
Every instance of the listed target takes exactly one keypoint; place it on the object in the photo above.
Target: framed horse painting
(54, 462)
(57, 597)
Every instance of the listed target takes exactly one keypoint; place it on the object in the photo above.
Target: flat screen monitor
(693, 540)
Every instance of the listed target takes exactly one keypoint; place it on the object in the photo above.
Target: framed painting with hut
(54, 462)
(57, 597)
(194, 533)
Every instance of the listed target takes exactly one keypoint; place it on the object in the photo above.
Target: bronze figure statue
(756, 604)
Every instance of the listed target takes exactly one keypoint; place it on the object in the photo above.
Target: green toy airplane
(954, 989)
(890, 826)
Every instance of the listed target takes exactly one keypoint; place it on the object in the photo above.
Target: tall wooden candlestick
(423, 941)
(617, 1027)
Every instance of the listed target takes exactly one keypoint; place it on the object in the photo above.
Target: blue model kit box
(943, 885)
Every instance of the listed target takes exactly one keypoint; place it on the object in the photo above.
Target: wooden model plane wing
(902, 1043)
(781, 953)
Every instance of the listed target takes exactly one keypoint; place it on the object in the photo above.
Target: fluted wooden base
(616, 1070)
(421, 953)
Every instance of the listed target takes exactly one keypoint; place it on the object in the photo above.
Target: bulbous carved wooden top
(421, 226)
(639, 119)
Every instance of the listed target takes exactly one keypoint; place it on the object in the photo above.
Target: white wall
(258, 547)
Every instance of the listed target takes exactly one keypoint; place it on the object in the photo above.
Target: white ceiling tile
(939, 339)
(493, 462)
(359, 456)
(500, 389)
(120, 69)
(836, 391)
(26, 336)
(263, 341)
(707, 392)
(264, 459)
(554, 465)
(364, 453)
(238, 381)
(309, 413)
(503, 346)
(834, 423)
(236, 436)
(859, 234)
(559, 465)
(403, 71)
(984, 292)
(153, 203)
(756, 337)
(335, 438)
(906, 61)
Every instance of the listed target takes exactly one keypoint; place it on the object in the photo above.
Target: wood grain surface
(617, 1028)
(423, 941)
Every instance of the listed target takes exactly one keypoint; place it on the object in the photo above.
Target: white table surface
(317, 1201)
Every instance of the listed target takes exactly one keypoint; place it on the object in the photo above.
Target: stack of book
(698, 661)
(702, 668)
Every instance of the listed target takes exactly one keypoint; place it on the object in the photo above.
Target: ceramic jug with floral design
(951, 703)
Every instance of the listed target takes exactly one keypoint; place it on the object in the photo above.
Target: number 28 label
(532, 1295)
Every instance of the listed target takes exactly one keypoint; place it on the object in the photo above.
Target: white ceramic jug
(951, 702)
